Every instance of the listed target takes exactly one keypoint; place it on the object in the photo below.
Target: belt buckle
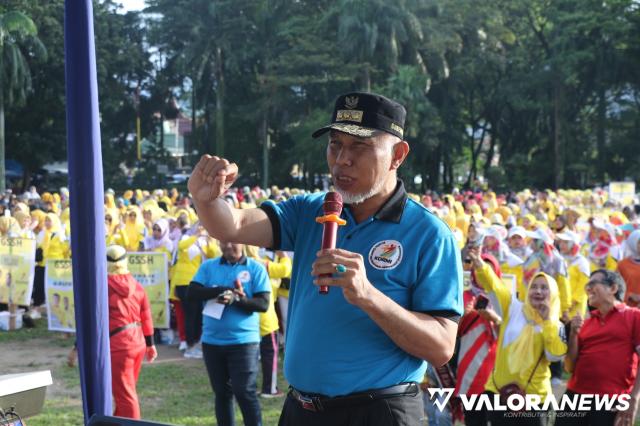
(307, 403)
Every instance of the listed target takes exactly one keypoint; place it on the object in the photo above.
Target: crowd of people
(573, 257)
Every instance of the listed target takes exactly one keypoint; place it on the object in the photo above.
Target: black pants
(269, 361)
(192, 315)
(398, 411)
(585, 418)
(233, 371)
(38, 287)
(556, 369)
(523, 418)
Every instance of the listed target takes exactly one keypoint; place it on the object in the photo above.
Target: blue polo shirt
(334, 348)
(236, 326)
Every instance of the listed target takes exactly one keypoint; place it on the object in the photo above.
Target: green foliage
(491, 88)
(18, 40)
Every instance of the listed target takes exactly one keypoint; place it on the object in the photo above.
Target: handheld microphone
(332, 207)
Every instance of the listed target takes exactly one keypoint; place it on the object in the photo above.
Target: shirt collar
(391, 210)
(616, 308)
(242, 261)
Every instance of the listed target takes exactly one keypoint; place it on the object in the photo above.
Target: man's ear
(399, 153)
(614, 289)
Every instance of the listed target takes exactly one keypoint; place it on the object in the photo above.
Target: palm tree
(18, 33)
(376, 33)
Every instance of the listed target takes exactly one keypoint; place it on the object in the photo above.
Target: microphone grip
(329, 234)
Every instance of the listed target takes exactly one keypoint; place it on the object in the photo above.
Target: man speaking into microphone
(356, 354)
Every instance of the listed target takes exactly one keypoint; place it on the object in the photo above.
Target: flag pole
(87, 209)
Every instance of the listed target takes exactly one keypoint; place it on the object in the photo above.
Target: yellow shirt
(189, 256)
(117, 237)
(281, 268)
(288, 265)
(60, 313)
(547, 341)
(564, 288)
(132, 235)
(611, 264)
(578, 278)
(54, 247)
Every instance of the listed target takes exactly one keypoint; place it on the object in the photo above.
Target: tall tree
(18, 39)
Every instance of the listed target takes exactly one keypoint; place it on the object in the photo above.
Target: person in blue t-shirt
(356, 354)
(234, 289)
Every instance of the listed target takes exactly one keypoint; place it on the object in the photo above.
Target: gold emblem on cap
(397, 128)
(351, 102)
(354, 129)
(349, 115)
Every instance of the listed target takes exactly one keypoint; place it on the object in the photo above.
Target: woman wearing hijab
(109, 201)
(130, 332)
(517, 241)
(133, 229)
(569, 244)
(178, 226)
(192, 250)
(37, 226)
(113, 227)
(475, 234)
(51, 244)
(529, 222)
(159, 240)
(494, 243)
(629, 268)
(37, 219)
(25, 225)
(545, 258)
(478, 335)
(150, 214)
(604, 250)
(53, 239)
(530, 338)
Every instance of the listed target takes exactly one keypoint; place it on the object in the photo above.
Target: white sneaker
(193, 353)
(34, 314)
(271, 395)
(556, 381)
(183, 346)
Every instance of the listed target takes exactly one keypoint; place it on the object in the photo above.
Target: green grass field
(173, 390)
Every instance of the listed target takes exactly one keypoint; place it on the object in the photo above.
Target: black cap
(364, 114)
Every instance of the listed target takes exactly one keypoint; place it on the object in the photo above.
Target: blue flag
(87, 209)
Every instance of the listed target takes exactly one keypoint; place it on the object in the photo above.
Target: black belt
(123, 328)
(315, 402)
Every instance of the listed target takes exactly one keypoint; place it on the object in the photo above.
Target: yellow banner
(59, 290)
(150, 270)
(622, 192)
(17, 263)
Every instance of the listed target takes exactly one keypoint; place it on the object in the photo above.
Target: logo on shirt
(385, 254)
(244, 277)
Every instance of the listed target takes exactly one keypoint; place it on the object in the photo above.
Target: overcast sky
(132, 4)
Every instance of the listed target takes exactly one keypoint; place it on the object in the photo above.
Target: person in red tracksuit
(130, 331)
